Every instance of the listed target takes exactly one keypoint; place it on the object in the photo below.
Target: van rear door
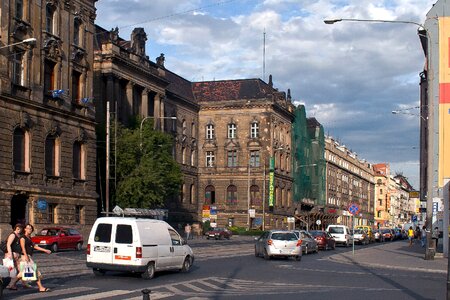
(101, 246)
(124, 250)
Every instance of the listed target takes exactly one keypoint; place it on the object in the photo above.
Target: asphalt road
(229, 270)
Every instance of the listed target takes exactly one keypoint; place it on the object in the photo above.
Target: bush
(243, 231)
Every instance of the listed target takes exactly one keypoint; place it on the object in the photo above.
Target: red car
(218, 233)
(56, 238)
(388, 234)
(324, 239)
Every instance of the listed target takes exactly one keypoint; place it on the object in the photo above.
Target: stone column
(144, 102)
(157, 110)
(162, 113)
(129, 100)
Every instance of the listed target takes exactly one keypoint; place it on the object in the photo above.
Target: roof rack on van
(158, 213)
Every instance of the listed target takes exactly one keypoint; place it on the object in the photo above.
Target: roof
(208, 91)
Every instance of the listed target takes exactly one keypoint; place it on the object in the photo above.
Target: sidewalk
(394, 255)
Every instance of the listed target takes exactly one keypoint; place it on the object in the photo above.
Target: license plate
(102, 249)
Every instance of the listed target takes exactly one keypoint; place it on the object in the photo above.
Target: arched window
(283, 198)
(52, 155)
(183, 194)
(232, 194)
(78, 162)
(21, 150)
(276, 196)
(255, 195)
(210, 195)
(289, 198)
(77, 31)
(192, 157)
(183, 155)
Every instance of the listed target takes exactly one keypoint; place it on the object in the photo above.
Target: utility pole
(107, 161)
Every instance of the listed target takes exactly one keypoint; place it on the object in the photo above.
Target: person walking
(410, 235)
(423, 236)
(187, 230)
(13, 251)
(28, 247)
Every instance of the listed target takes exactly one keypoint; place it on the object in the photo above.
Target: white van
(341, 234)
(136, 245)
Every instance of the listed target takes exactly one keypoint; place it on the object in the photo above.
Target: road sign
(318, 222)
(353, 209)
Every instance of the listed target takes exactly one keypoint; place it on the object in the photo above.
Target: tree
(147, 175)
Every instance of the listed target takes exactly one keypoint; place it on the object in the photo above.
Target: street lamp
(29, 41)
(430, 248)
(398, 112)
(142, 123)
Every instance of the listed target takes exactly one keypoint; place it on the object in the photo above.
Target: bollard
(146, 294)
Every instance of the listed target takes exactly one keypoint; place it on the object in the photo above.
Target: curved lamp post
(29, 41)
(142, 123)
(430, 249)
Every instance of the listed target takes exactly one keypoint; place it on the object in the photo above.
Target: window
(183, 155)
(18, 71)
(52, 151)
(254, 130)
(175, 238)
(192, 193)
(103, 233)
(254, 158)
(78, 162)
(21, 148)
(78, 212)
(192, 157)
(232, 158)
(210, 195)
(209, 132)
(210, 158)
(193, 134)
(379, 214)
(19, 9)
(49, 18)
(76, 86)
(49, 77)
(124, 234)
(255, 195)
(231, 194)
(51, 213)
(76, 31)
(232, 131)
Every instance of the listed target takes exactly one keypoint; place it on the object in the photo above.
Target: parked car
(388, 234)
(278, 243)
(309, 244)
(341, 234)
(56, 238)
(378, 235)
(324, 240)
(218, 233)
(368, 229)
(398, 234)
(360, 237)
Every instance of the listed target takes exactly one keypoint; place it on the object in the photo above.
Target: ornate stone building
(382, 209)
(349, 181)
(242, 125)
(47, 128)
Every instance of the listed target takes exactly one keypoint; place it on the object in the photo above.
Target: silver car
(309, 243)
(278, 243)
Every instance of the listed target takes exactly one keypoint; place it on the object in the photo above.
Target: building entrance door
(18, 209)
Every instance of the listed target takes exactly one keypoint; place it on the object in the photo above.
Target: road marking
(56, 292)
(100, 295)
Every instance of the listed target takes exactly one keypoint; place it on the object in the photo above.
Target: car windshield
(316, 233)
(336, 230)
(386, 231)
(48, 232)
(284, 236)
(359, 231)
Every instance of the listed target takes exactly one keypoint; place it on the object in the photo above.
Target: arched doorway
(18, 209)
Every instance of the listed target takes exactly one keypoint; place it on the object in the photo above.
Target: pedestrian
(28, 247)
(423, 235)
(410, 235)
(435, 237)
(13, 252)
(187, 230)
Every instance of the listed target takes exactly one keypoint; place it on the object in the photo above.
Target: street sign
(318, 222)
(353, 209)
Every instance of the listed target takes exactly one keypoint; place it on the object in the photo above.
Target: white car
(278, 243)
(341, 234)
(309, 243)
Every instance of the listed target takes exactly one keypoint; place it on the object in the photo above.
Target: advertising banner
(271, 187)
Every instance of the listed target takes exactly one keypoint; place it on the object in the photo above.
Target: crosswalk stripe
(100, 295)
(57, 292)
(210, 285)
(193, 287)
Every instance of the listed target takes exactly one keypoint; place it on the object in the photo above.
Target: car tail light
(88, 249)
(138, 252)
(269, 242)
(299, 243)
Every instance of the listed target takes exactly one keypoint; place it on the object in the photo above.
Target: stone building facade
(349, 181)
(242, 125)
(382, 209)
(47, 126)
(134, 85)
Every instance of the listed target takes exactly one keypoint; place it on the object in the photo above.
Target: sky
(350, 75)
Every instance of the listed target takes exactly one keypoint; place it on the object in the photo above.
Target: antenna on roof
(264, 54)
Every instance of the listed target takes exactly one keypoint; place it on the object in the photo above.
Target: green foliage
(147, 175)
(243, 231)
(206, 226)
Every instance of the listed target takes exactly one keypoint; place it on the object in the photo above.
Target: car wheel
(186, 264)
(79, 246)
(54, 247)
(298, 258)
(150, 271)
(266, 255)
(98, 272)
